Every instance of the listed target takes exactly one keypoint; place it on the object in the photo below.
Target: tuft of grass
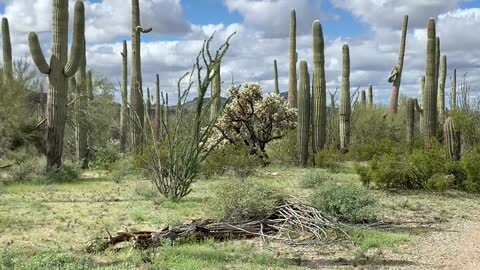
(367, 239)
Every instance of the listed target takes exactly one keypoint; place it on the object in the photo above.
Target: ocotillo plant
(7, 52)
(319, 91)
(370, 96)
(216, 91)
(396, 75)
(452, 139)
(81, 111)
(275, 78)
(158, 113)
(453, 100)
(441, 90)
(303, 113)
(345, 106)
(429, 98)
(61, 67)
(124, 118)
(136, 79)
(292, 69)
(410, 121)
(165, 112)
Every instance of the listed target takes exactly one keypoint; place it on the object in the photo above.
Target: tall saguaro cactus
(345, 106)
(303, 113)
(7, 52)
(454, 90)
(292, 69)
(410, 121)
(136, 79)
(396, 75)
(441, 89)
(370, 96)
(81, 112)
(452, 139)
(124, 119)
(61, 67)
(216, 91)
(158, 113)
(429, 97)
(89, 85)
(437, 62)
(363, 99)
(275, 78)
(319, 93)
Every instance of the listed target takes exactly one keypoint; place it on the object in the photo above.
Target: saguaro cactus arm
(78, 44)
(143, 30)
(37, 53)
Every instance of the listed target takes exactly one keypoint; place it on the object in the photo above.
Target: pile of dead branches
(290, 217)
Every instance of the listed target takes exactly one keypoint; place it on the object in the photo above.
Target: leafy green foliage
(235, 158)
(470, 165)
(347, 202)
(440, 182)
(284, 150)
(314, 179)
(246, 199)
(329, 158)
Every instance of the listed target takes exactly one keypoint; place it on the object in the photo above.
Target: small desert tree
(254, 120)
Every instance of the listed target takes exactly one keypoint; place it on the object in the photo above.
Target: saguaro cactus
(454, 90)
(452, 139)
(437, 62)
(7, 52)
(303, 113)
(370, 96)
(345, 106)
(319, 93)
(81, 112)
(396, 75)
(292, 70)
(410, 121)
(158, 113)
(275, 78)
(429, 98)
(89, 85)
(441, 89)
(60, 68)
(216, 91)
(136, 79)
(363, 99)
(124, 119)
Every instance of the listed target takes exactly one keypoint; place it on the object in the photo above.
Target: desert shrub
(107, 155)
(56, 260)
(235, 158)
(69, 172)
(347, 202)
(470, 165)
(245, 199)
(367, 150)
(284, 151)
(440, 182)
(27, 170)
(121, 169)
(329, 158)
(315, 178)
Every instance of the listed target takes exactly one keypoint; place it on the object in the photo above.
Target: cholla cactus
(452, 139)
(345, 105)
(292, 70)
(62, 66)
(255, 120)
(303, 114)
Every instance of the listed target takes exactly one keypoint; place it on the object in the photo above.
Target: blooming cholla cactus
(253, 119)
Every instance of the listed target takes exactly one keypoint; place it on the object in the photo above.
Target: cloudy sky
(371, 28)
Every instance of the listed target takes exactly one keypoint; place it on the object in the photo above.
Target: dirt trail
(455, 248)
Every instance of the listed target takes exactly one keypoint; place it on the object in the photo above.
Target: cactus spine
(410, 121)
(292, 71)
(441, 89)
(303, 113)
(345, 106)
(370, 96)
(454, 90)
(7, 52)
(158, 113)
(396, 76)
(275, 78)
(61, 67)
(429, 96)
(319, 93)
(81, 112)
(216, 91)
(452, 139)
(136, 79)
(124, 120)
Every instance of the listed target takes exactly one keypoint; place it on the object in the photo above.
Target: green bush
(69, 172)
(246, 199)
(121, 169)
(107, 155)
(346, 202)
(470, 164)
(440, 182)
(315, 178)
(329, 158)
(234, 158)
(284, 151)
(368, 150)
